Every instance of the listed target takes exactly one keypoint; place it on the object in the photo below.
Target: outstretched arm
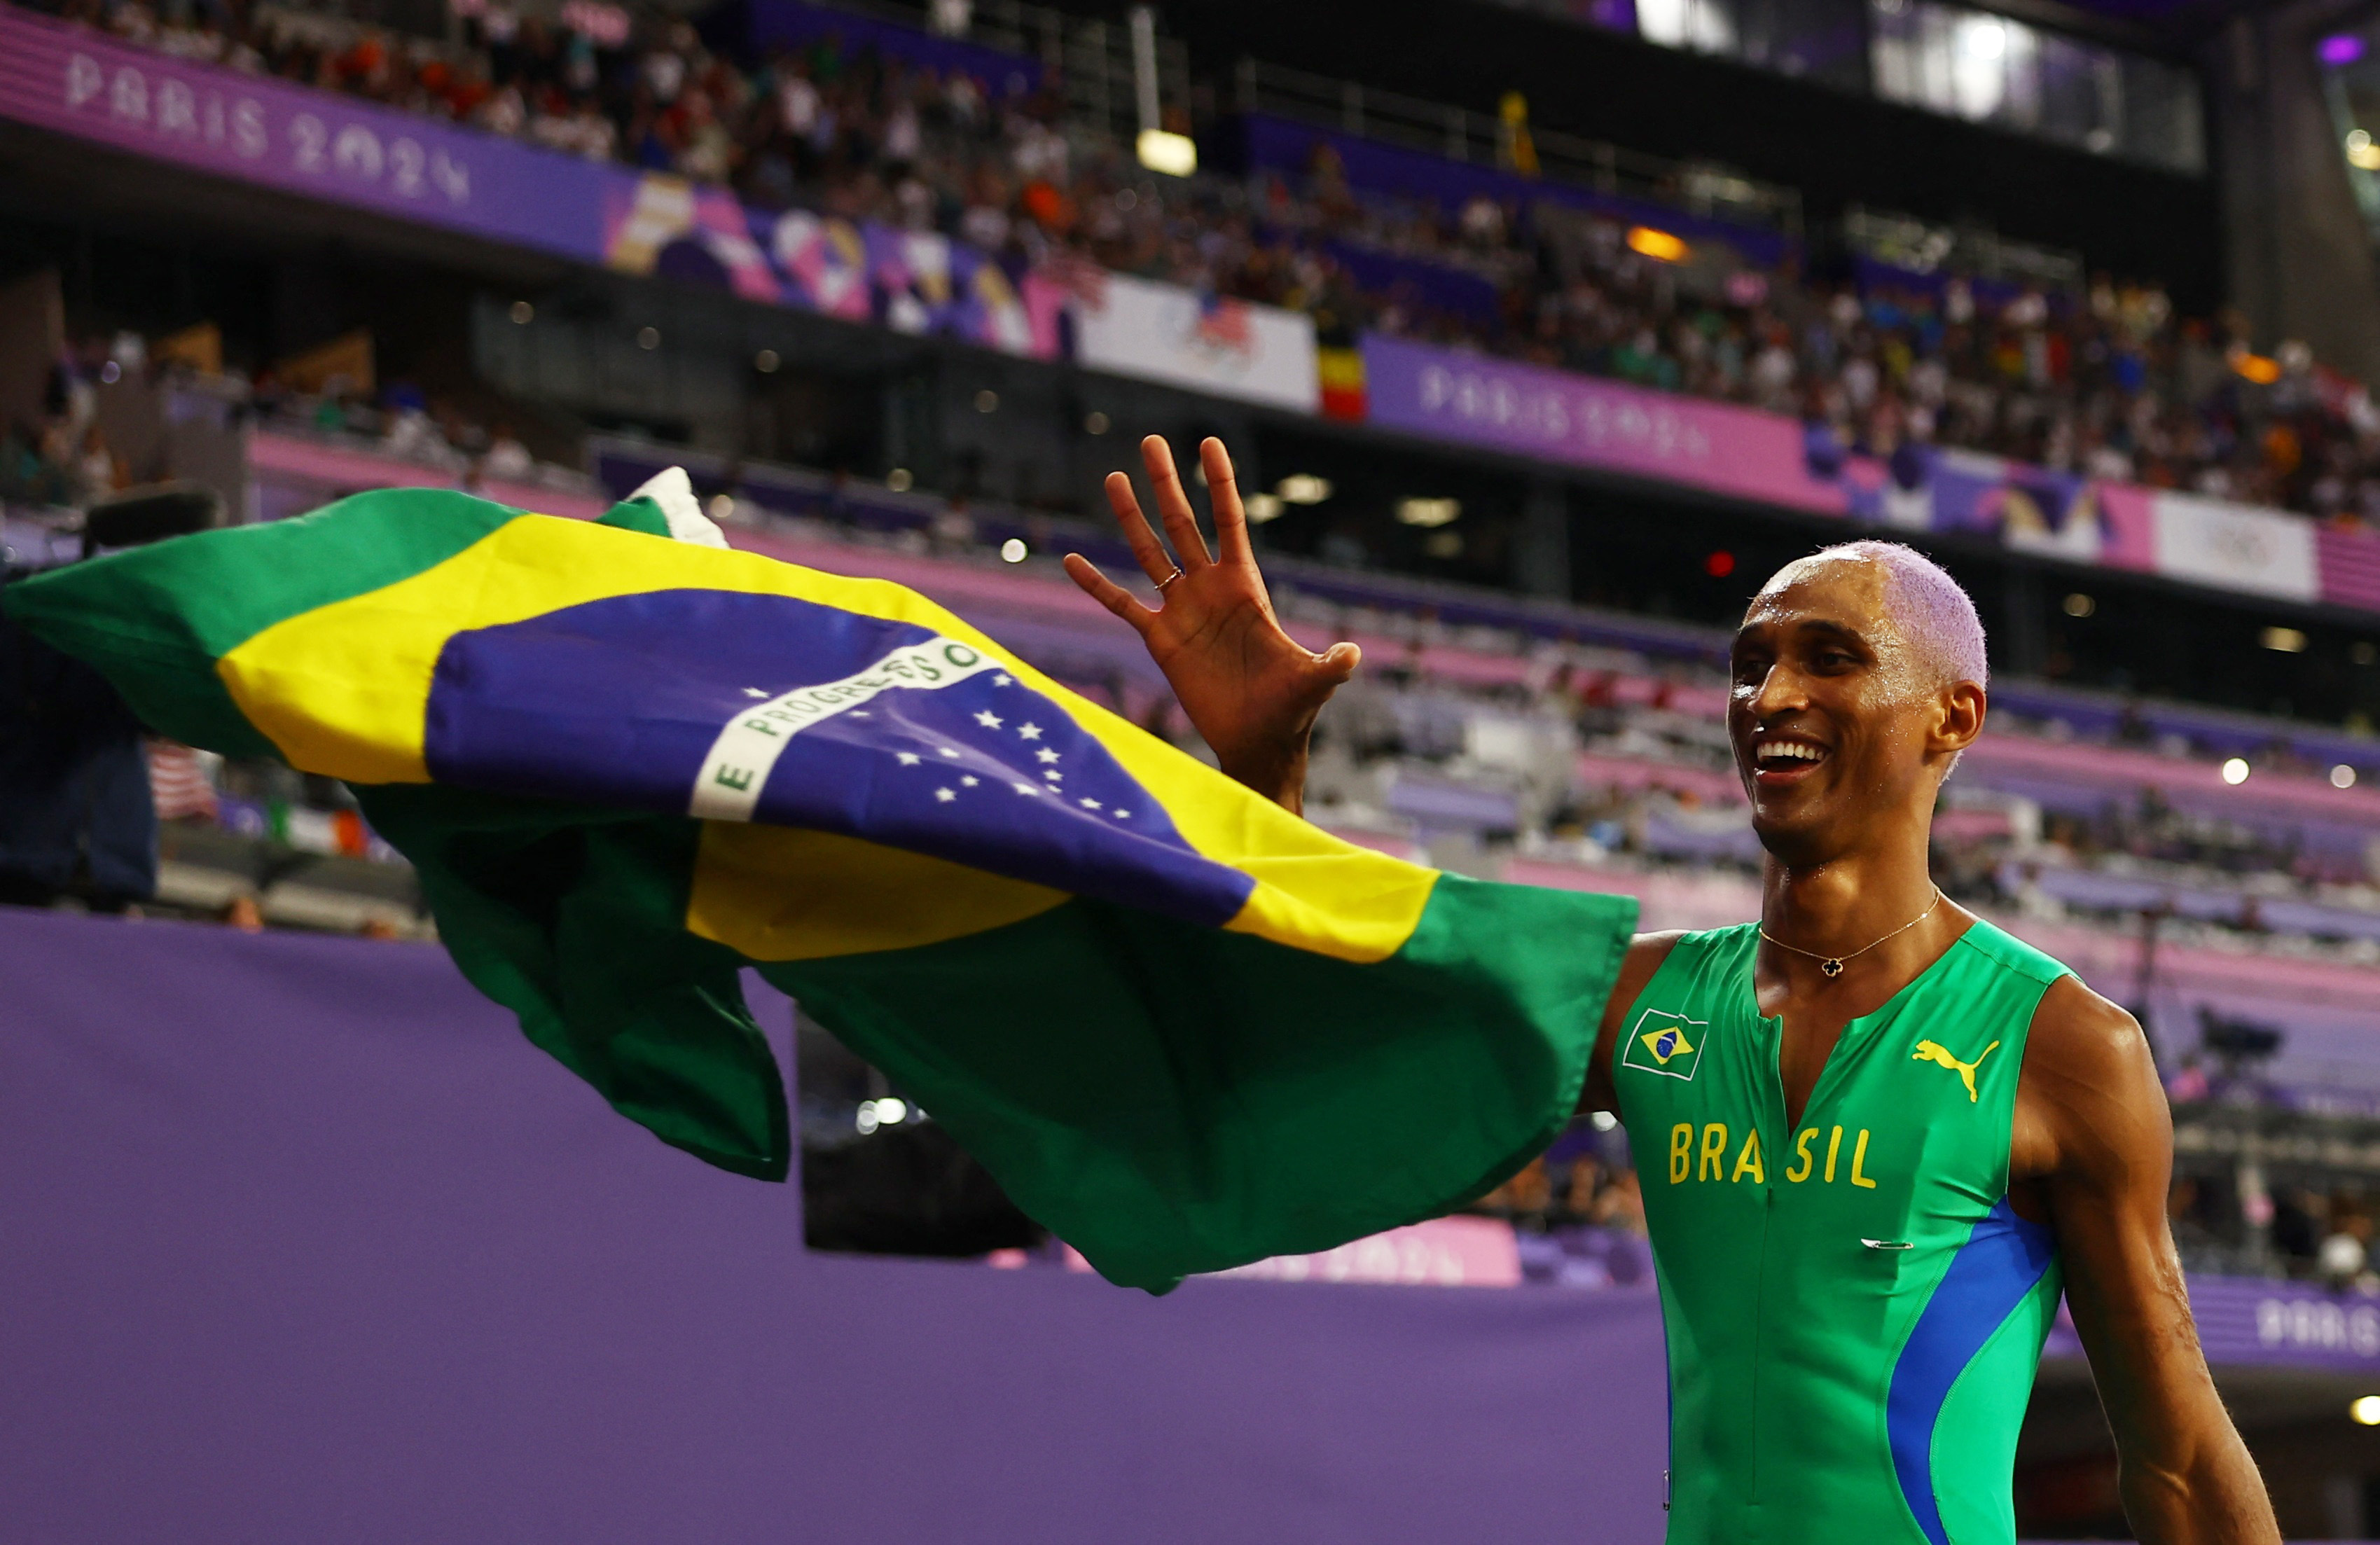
(1249, 688)
(2095, 1142)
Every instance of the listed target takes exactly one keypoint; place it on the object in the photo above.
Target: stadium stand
(2020, 356)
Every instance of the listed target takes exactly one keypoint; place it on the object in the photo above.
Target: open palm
(1249, 688)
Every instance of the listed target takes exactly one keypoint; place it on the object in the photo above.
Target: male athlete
(1876, 1134)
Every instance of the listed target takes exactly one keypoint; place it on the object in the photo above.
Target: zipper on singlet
(1754, 1425)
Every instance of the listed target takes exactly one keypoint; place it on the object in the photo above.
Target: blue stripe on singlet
(1991, 1274)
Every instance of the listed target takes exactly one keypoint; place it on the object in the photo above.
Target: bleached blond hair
(1931, 609)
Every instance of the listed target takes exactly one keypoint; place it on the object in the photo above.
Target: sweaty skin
(1820, 663)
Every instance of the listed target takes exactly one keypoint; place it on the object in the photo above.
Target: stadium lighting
(1987, 39)
(898, 479)
(2235, 771)
(864, 1117)
(649, 338)
(2342, 777)
(2285, 641)
(1303, 488)
(1719, 564)
(523, 312)
(2365, 1410)
(1012, 550)
(2079, 605)
(1261, 508)
(1428, 512)
(1095, 423)
(1659, 245)
(1174, 155)
(766, 361)
(2339, 48)
(892, 1112)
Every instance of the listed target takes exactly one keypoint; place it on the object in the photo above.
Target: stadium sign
(1768, 458)
(357, 154)
(260, 130)
(2246, 1320)
(1201, 342)
(1587, 421)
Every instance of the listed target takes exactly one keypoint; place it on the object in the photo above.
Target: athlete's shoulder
(1687, 948)
(1698, 945)
(2012, 954)
(2090, 1104)
(1647, 952)
(2088, 1035)
(1650, 955)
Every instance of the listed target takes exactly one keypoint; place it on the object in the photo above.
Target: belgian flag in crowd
(1184, 1028)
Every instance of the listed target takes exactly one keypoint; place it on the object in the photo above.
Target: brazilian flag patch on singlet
(1665, 1043)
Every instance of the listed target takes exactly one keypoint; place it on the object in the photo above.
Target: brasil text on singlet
(1854, 1313)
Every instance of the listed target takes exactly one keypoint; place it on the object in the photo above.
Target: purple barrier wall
(300, 1240)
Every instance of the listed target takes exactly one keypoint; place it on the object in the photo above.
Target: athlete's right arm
(1249, 688)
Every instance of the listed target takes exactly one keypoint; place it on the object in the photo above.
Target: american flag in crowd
(1224, 322)
(1080, 277)
(178, 780)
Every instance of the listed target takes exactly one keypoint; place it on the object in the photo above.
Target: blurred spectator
(75, 813)
(506, 458)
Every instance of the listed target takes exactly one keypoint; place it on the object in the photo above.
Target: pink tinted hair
(1928, 607)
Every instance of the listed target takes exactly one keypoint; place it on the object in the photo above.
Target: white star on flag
(1088, 804)
(1044, 754)
(1055, 777)
(1029, 731)
(948, 752)
(906, 759)
(945, 796)
(969, 781)
(1121, 815)
(755, 692)
(1004, 679)
(988, 719)
(1025, 789)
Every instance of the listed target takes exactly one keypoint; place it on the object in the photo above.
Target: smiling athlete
(1877, 1136)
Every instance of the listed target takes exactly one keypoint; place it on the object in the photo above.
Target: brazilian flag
(1184, 1029)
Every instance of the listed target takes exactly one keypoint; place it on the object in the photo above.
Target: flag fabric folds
(1183, 1028)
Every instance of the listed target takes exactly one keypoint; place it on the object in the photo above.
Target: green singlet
(1854, 1311)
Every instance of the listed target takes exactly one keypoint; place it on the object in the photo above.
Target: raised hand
(1249, 688)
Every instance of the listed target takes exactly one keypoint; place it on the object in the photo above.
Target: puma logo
(1935, 1053)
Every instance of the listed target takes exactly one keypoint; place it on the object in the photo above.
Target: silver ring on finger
(1167, 580)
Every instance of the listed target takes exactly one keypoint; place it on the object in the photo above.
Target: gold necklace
(1832, 965)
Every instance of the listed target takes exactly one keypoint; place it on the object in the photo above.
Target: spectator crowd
(2105, 382)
